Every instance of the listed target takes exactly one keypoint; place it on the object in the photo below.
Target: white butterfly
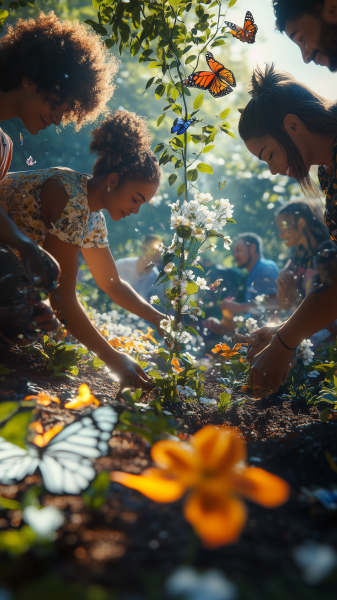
(66, 462)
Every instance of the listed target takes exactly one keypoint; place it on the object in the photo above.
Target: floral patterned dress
(21, 201)
(329, 187)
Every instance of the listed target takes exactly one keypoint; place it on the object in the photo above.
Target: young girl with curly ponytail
(292, 128)
(61, 210)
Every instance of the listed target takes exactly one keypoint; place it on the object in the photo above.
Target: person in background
(51, 71)
(248, 254)
(312, 25)
(133, 269)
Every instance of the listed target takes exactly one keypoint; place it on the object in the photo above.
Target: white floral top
(20, 199)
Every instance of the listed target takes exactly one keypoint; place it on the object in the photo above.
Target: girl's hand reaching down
(129, 373)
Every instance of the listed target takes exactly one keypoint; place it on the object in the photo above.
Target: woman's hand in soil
(261, 338)
(269, 368)
(43, 318)
(129, 373)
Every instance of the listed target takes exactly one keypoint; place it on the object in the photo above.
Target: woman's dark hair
(276, 94)
(64, 59)
(123, 145)
(291, 10)
(313, 217)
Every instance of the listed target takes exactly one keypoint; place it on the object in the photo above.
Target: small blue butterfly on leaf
(180, 126)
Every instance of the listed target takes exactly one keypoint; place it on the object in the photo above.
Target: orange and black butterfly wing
(236, 31)
(201, 79)
(224, 79)
(250, 28)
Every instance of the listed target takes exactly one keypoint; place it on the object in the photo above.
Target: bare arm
(103, 269)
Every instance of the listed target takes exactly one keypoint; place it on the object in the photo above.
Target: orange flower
(116, 343)
(176, 367)
(212, 469)
(43, 398)
(148, 336)
(84, 398)
(226, 350)
(45, 437)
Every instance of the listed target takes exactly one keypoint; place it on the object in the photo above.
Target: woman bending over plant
(292, 128)
(51, 70)
(61, 210)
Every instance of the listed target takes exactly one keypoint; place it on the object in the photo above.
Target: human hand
(214, 325)
(43, 318)
(269, 369)
(261, 338)
(129, 373)
(231, 306)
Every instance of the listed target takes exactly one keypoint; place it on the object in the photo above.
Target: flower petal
(153, 483)
(218, 520)
(178, 458)
(261, 487)
(219, 448)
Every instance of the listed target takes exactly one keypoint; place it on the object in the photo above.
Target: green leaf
(181, 189)
(174, 94)
(149, 83)
(3, 16)
(15, 430)
(96, 26)
(190, 59)
(159, 91)
(172, 179)
(4, 370)
(230, 220)
(9, 504)
(160, 119)
(192, 175)
(8, 409)
(230, 133)
(208, 148)
(191, 288)
(178, 142)
(231, 3)
(204, 168)
(174, 3)
(158, 148)
(192, 330)
(198, 101)
(154, 65)
(224, 114)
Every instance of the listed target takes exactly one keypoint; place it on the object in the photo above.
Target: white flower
(168, 268)
(313, 374)
(154, 300)
(303, 352)
(227, 241)
(201, 282)
(212, 247)
(195, 261)
(186, 583)
(185, 390)
(207, 401)
(200, 197)
(315, 560)
(161, 247)
(175, 205)
(189, 356)
(166, 323)
(44, 521)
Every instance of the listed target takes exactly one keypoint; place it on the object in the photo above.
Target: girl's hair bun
(267, 80)
(122, 143)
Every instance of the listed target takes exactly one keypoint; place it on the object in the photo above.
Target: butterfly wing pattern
(66, 463)
(247, 33)
(180, 126)
(219, 81)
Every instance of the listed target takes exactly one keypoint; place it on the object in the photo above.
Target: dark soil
(130, 537)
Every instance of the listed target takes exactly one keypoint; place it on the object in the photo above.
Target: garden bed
(131, 543)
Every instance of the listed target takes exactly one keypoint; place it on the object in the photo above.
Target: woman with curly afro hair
(61, 210)
(51, 71)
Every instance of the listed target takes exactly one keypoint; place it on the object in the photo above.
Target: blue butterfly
(180, 126)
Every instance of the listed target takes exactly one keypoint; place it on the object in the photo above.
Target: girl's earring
(108, 189)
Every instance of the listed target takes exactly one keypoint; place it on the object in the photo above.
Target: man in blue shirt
(248, 254)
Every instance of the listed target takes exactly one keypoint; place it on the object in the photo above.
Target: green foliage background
(249, 186)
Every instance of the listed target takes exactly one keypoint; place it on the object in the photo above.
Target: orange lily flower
(84, 398)
(226, 350)
(148, 336)
(176, 367)
(116, 343)
(44, 399)
(211, 469)
(45, 437)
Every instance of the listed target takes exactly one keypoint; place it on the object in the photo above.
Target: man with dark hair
(312, 25)
(248, 254)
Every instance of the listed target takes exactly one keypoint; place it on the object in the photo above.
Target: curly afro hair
(123, 145)
(290, 10)
(64, 59)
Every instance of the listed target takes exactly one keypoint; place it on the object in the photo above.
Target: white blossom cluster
(179, 336)
(304, 353)
(199, 217)
(251, 324)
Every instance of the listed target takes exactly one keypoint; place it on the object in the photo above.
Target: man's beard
(328, 44)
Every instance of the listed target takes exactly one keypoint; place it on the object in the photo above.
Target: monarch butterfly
(248, 32)
(219, 82)
(222, 185)
(180, 126)
(66, 462)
